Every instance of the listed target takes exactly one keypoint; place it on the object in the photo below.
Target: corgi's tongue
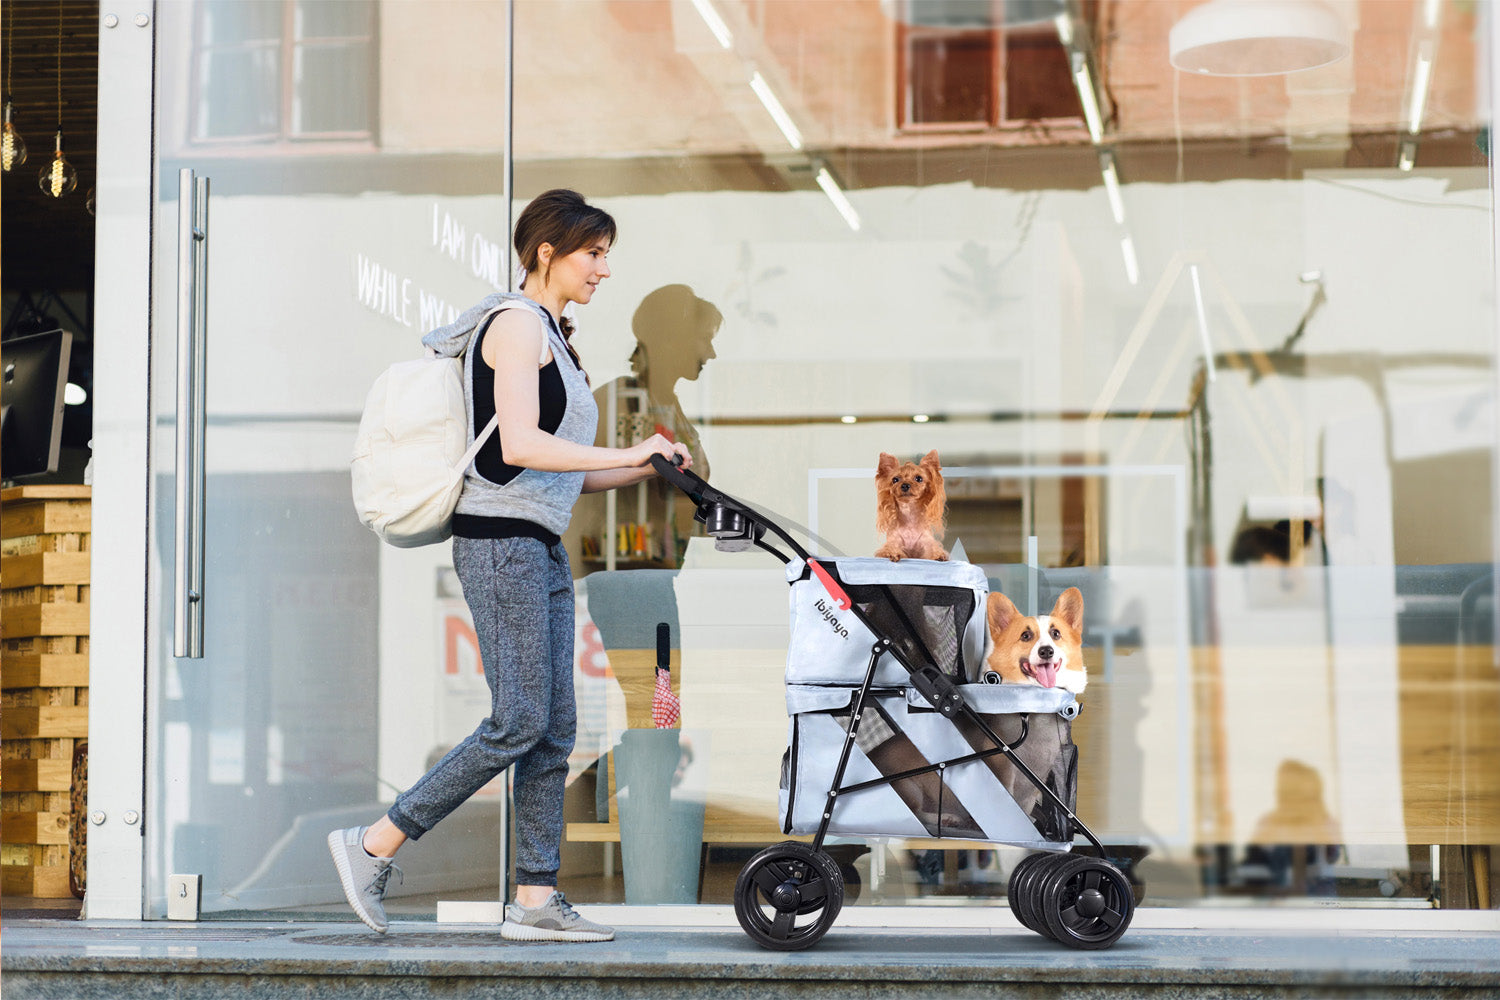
(1045, 673)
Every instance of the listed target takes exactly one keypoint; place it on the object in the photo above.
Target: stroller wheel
(1012, 891)
(787, 896)
(1087, 903)
(1028, 890)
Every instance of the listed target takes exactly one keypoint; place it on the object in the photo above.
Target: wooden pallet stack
(44, 674)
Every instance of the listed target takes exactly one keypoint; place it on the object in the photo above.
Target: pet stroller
(894, 732)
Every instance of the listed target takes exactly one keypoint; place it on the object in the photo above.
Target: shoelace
(378, 883)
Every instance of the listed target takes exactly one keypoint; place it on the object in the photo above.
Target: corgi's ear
(1069, 608)
(1000, 612)
(886, 466)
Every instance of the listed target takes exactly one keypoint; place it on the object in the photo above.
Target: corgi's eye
(1026, 636)
(1056, 634)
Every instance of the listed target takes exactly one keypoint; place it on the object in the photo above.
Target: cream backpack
(409, 457)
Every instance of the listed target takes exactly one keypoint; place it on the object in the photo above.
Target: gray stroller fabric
(935, 614)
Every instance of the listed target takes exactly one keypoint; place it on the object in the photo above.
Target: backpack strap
(489, 428)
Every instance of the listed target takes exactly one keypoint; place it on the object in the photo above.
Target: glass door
(308, 237)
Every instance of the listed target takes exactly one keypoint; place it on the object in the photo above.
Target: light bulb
(12, 146)
(58, 177)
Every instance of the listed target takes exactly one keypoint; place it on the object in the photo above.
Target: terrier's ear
(1069, 608)
(930, 461)
(1000, 612)
(937, 498)
(885, 506)
(886, 466)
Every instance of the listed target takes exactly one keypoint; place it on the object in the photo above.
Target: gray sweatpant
(520, 593)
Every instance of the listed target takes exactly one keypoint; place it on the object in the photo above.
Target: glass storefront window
(1218, 351)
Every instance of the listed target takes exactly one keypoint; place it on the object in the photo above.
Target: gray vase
(661, 836)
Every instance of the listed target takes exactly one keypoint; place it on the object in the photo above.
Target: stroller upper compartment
(932, 612)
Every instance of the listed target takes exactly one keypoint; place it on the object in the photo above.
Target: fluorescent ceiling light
(846, 419)
(1421, 82)
(1431, 10)
(1408, 156)
(777, 112)
(920, 418)
(836, 195)
(715, 23)
(1064, 29)
(1208, 347)
(1132, 269)
(1112, 188)
(1257, 37)
(1088, 96)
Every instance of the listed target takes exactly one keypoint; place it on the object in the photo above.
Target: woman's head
(556, 224)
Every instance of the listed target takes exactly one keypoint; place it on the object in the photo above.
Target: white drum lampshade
(1257, 37)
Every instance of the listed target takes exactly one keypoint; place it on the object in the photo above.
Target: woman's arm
(511, 346)
(613, 479)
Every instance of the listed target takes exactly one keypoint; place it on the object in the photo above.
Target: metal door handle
(192, 316)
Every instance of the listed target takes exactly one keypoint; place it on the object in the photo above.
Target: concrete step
(421, 960)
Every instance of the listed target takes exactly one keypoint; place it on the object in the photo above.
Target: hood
(449, 341)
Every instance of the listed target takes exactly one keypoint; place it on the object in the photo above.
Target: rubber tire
(798, 864)
(1029, 891)
(1061, 892)
(1012, 892)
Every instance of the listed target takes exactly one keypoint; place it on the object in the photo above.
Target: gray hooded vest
(543, 498)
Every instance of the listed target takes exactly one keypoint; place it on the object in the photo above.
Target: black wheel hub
(1091, 903)
(785, 897)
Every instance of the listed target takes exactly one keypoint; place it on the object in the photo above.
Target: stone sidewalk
(56, 958)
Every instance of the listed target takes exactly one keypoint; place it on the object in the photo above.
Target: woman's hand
(656, 444)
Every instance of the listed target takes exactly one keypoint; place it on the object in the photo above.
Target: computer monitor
(35, 375)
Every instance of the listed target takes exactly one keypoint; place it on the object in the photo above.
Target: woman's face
(579, 273)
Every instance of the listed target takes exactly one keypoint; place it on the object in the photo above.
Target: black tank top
(552, 400)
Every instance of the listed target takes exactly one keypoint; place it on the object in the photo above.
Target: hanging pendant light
(1257, 37)
(58, 177)
(12, 146)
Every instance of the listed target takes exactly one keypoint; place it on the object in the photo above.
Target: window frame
(288, 45)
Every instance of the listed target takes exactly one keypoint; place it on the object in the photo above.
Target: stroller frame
(1083, 902)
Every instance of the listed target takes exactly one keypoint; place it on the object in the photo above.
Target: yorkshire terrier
(909, 508)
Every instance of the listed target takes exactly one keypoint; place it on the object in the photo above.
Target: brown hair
(562, 218)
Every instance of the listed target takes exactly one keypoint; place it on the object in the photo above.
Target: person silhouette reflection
(1292, 842)
(674, 331)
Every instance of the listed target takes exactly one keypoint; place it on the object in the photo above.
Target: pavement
(1329, 953)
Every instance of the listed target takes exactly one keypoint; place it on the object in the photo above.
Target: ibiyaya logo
(832, 621)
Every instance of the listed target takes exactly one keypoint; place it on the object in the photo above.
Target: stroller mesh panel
(925, 623)
(930, 800)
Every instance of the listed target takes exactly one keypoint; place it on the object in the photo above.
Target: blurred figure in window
(1291, 843)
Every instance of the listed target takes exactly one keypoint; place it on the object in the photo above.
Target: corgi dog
(1046, 650)
(910, 503)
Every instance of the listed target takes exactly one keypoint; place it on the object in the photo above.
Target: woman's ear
(544, 259)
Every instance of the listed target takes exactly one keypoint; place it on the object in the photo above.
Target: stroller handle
(713, 506)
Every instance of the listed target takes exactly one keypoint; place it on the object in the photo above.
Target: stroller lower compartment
(988, 800)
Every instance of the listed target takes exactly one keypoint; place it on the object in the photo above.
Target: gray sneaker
(554, 920)
(363, 877)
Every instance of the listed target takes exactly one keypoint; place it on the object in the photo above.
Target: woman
(516, 502)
